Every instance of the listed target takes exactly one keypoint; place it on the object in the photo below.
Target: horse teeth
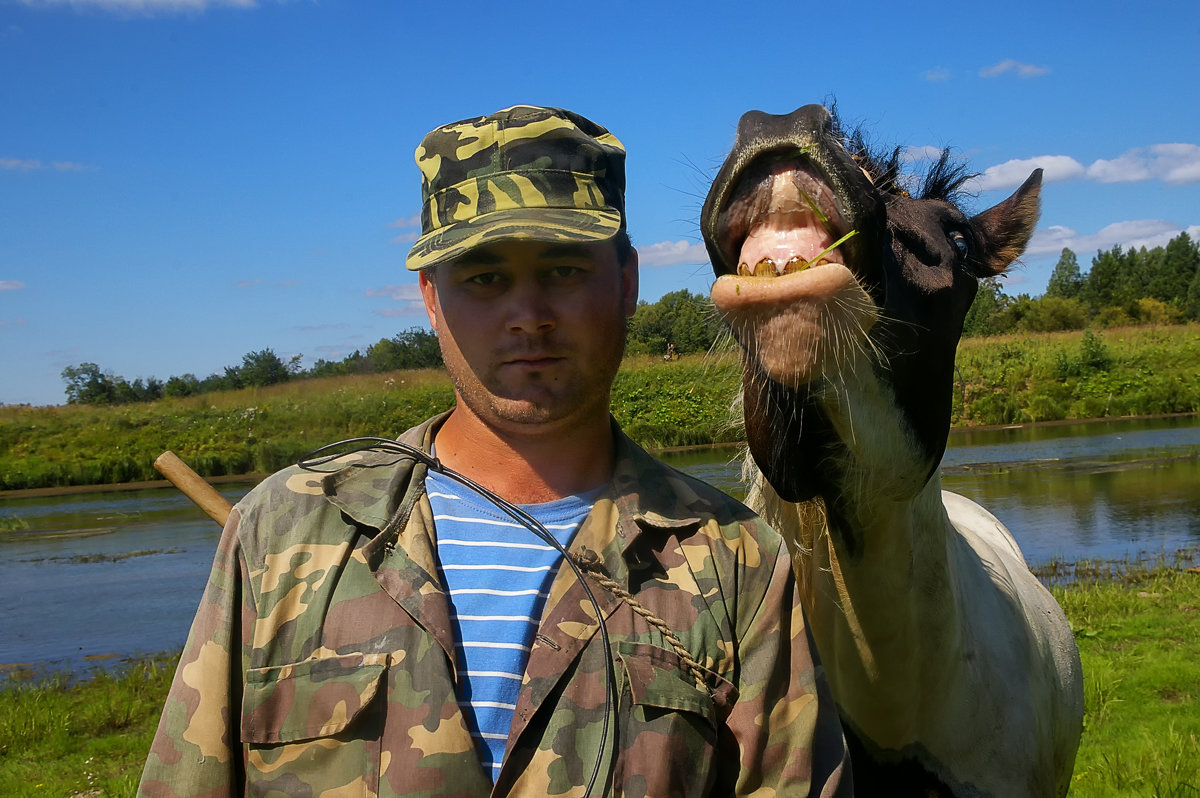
(794, 264)
(744, 270)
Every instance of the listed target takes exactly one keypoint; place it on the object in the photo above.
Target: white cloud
(925, 152)
(409, 292)
(1022, 70)
(34, 165)
(1131, 234)
(937, 75)
(11, 285)
(408, 295)
(412, 224)
(19, 164)
(5, 323)
(144, 7)
(1014, 173)
(279, 284)
(404, 310)
(1176, 164)
(672, 253)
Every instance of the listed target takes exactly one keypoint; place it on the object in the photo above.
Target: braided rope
(591, 567)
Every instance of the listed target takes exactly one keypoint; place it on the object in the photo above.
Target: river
(93, 578)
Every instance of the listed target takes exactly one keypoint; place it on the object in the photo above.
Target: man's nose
(530, 312)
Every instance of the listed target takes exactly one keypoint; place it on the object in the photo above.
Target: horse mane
(944, 180)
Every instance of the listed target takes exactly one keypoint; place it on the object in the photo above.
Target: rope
(591, 566)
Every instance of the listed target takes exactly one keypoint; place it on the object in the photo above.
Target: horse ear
(1005, 229)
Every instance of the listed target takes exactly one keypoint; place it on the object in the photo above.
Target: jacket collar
(379, 489)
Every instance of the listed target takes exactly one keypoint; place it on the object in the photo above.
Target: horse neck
(874, 559)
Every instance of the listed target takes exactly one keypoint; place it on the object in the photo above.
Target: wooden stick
(193, 486)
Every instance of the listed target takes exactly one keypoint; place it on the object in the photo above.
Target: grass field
(1139, 638)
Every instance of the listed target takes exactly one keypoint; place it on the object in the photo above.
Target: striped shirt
(497, 574)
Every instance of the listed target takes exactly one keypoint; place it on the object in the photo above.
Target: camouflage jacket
(321, 659)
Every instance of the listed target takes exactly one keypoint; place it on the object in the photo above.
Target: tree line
(414, 348)
(1141, 286)
(686, 320)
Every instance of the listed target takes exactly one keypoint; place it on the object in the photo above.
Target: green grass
(1139, 641)
(1014, 379)
(1138, 631)
(62, 737)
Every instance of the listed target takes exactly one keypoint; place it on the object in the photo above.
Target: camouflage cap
(522, 174)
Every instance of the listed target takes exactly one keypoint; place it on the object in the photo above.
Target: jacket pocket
(668, 724)
(314, 726)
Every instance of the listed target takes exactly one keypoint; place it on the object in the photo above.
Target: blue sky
(185, 181)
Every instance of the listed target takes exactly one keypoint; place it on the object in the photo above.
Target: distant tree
(1149, 310)
(185, 385)
(1052, 314)
(415, 348)
(1192, 305)
(986, 314)
(1100, 290)
(1177, 270)
(1065, 281)
(262, 368)
(87, 385)
(682, 318)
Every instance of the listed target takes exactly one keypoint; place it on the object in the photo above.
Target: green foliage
(678, 403)
(86, 384)
(260, 369)
(414, 348)
(1093, 357)
(1192, 305)
(1065, 281)
(687, 320)
(1051, 314)
(1051, 377)
(1138, 287)
(986, 316)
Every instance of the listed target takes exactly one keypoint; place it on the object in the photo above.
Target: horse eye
(960, 243)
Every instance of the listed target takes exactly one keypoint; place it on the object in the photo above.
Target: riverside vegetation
(1141, 724)
(1008, 379)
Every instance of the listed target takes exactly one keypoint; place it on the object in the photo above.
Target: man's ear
(629, 282)
(429, 296)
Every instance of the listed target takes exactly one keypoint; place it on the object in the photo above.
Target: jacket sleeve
(196, 750)
(784, 720)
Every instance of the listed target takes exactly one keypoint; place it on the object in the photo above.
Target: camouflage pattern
(524, 173)
(321, 661)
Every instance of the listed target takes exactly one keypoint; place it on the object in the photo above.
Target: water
(101, 576)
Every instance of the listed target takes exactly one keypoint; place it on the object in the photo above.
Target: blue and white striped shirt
(497, 574)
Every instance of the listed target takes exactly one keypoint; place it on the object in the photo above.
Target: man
(377, 628)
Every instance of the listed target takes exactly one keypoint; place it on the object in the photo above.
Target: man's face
(532, 333)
